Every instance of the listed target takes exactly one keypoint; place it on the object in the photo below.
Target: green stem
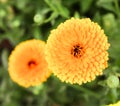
(117, 7)
(83, 89)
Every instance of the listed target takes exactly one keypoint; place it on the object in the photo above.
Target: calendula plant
(59, 52)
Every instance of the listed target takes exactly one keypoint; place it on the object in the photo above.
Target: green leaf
(113, 95)
(21, 4)
(76, 15)
(106, 4)
(37, 89)
(4, 58)
(37, 33)
(63, 11)
(85, 5)
(58, 8)
(114, 50)
(109, 23)
(50, 4)
(97, 17)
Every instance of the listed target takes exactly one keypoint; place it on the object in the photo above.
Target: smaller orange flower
(27, 65)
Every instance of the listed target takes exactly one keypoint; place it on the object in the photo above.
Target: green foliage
(26, 19)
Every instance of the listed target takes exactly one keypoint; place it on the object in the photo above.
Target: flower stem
(117, 7)
(83, 89)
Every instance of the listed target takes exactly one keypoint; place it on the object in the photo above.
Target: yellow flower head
(76, 51)
(27, 65)
(116, 104)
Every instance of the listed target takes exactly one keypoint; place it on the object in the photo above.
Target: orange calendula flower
(76, 51)
(27, 64)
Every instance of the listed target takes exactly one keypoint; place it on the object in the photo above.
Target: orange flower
(27, 64)
(76, 51)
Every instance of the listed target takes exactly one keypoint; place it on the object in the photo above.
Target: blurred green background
(26, 19)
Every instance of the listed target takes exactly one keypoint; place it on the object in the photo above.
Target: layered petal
(76, 51)
(27, 65)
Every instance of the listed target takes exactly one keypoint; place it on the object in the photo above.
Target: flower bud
(113, 81)
(38, 18)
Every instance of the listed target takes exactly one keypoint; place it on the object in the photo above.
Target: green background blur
(26, 19)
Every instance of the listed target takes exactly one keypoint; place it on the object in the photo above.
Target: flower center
(77, 51)
(31, 64)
